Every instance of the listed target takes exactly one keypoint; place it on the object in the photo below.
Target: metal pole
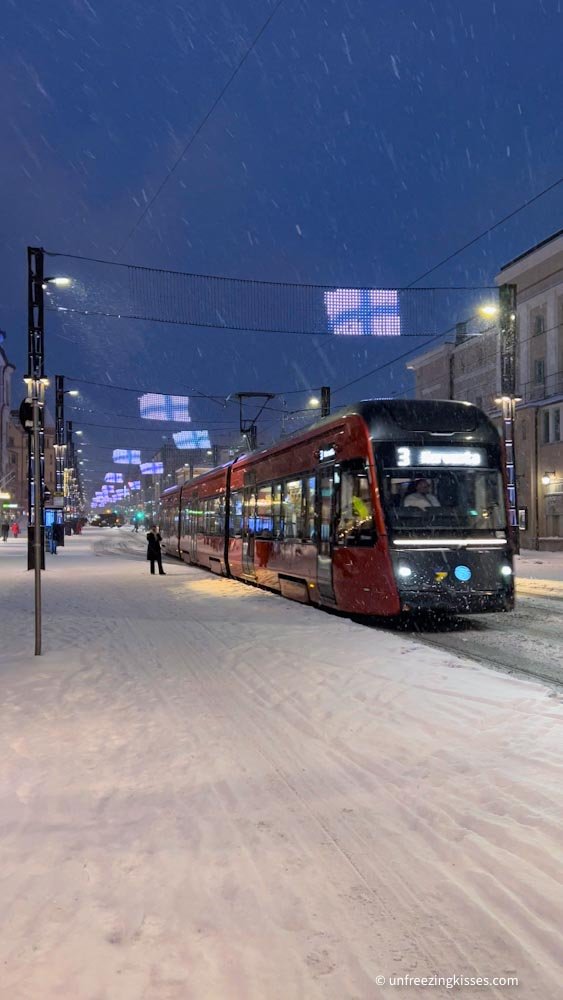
(35, 383)
(59, 430)
(536, 493)
(38, 509)
(507, 319)
(69, 454)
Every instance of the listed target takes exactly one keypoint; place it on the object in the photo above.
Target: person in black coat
(154, 539)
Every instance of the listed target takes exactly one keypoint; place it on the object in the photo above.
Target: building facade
(18, 462)
(469, 369)
(6, 369)
(538, 276)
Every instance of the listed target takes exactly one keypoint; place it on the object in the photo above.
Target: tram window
(213, 514)
(235, 515)
(277, 510)
(293, 508)
(190, 516)
(311, 526)
(326, 489)
(185, 521)
(462, 497)
(354, 507)
(205, 517)
(264, 520)
(249, 508)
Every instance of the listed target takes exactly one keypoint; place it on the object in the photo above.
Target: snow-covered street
(211, 793)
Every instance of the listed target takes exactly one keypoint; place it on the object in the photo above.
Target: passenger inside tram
(355, 524)
(419, 494)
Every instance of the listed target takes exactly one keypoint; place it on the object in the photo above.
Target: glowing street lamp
(60, 282)
(314, 402)
(488, 311)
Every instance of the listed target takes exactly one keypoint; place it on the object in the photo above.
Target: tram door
(249, 530)
(325, 530)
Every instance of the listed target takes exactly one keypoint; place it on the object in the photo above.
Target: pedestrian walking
(5, 531)
(154, 539)
(51, 540)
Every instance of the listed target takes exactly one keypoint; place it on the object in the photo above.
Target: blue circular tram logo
(462, 573)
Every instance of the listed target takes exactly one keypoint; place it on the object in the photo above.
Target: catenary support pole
(507, 322)
(36, 388)
(38, 507)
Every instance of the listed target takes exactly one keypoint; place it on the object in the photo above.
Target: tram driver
(419, 494)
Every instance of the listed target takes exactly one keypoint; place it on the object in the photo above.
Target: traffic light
(26, 415)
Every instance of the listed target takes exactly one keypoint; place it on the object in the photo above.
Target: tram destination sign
(429, 457)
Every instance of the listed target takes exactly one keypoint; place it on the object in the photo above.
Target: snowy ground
(540, 565)
(540, 573)
(210, 792)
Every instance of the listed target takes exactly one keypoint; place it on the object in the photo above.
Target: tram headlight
(506, 571)
(404, 571)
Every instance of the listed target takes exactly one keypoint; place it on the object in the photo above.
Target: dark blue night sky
(360, 144)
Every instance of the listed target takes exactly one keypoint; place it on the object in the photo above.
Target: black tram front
(444, 500)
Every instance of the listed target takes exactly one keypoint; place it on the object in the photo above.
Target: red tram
(383, 507)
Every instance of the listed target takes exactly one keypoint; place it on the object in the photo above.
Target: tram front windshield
(432, 489)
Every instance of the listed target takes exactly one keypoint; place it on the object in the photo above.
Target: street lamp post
(508, 399)
(35, 382)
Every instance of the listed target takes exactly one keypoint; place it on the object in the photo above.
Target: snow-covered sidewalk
(539, 573)
(208, 792)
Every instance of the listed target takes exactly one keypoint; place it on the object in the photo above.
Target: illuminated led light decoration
(152, 469)
(157, 407)
(359, 312)
(122, 456)
(113, 477)
(192, 439)
(135, 485)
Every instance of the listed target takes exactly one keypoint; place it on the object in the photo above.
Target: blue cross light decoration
(363, 312)
(152, 468)
(155, 406)
(124, 456)
(192, 439)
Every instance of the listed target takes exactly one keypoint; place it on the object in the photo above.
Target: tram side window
(264, 521)
(355, 525)
(249, 508)
(190, 516)
(213, 514)
(310, 525)
(235, 514)
(293, 508)
(277, 494)
(185, 521)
